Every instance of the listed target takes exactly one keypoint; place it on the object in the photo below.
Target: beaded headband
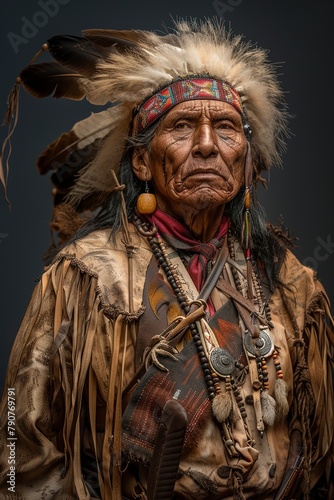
(183, 90)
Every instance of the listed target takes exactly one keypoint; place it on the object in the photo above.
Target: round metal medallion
(261, 346)
(222, 361)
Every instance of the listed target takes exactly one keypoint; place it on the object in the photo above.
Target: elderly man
(174, 346)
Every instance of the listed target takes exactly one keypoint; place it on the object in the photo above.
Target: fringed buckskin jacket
(82, 432)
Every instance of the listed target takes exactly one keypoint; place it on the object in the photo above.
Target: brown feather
(119, 39)
(78, 146)
(45, 79)
(66, 221)
(65, 173)
(57, 152)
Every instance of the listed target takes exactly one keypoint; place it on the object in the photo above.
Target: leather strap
(215, 273)
(246, 308)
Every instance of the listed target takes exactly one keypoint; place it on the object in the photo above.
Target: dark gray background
(297, 34)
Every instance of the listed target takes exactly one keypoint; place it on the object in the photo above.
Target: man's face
(196, 158)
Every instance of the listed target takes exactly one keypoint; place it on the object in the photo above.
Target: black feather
(76, 53)
(45, 79)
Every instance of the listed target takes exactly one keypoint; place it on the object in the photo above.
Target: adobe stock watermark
(227, 6)
(321, 253)
(72, 163)
(11, 439)
(31, 26)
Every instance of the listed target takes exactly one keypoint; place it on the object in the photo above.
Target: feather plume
(84, 134)
(120, 40)
(108, 157)
(52, 79)
(72, 153)
(76, 53)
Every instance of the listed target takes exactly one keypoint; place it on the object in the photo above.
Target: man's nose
(205, 141)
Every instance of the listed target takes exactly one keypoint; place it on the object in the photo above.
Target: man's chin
(203, 199)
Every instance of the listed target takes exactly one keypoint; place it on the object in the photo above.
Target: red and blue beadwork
(183, 90)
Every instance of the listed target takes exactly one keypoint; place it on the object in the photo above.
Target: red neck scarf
(180, 238)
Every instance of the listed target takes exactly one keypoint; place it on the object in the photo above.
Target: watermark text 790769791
(11, 439)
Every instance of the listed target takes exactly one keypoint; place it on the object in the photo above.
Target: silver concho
(222, 362)
(260, 346)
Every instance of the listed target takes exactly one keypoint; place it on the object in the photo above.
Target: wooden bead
(146, 203)
(247, 197)
(217, 388)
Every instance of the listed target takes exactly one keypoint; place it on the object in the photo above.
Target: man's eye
(224, 125)
(181, 125)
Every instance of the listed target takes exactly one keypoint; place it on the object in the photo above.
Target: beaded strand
(158, 249)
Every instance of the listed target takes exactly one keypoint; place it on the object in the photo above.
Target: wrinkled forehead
(211, 109)
(181, 91)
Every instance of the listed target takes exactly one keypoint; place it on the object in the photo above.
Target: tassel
(222, 406)
(13, 96)
(204, 481)
(268, 405)
(281, 396)
(12, 102)
(237, 480)
(12, 112)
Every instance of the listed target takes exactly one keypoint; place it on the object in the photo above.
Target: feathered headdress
(121, 69)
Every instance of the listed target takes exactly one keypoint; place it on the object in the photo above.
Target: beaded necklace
(217, 363)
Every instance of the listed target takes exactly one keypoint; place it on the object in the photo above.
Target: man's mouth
(204, 173)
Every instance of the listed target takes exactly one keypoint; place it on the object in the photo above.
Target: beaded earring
(146, 202)
(247, 226)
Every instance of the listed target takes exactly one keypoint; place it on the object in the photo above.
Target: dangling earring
(147, 202)
(247, 223)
